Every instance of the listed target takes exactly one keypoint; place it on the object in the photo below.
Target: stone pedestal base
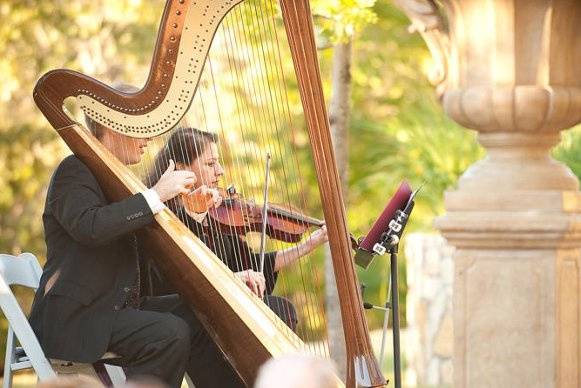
(516, 318)
(517, 287)
(430, 337)
(515, 219)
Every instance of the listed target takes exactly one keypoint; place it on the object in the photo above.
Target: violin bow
(264, 212)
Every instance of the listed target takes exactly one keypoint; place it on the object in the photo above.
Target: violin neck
(296, 217)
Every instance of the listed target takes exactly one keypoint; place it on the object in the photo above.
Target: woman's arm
(290, 255)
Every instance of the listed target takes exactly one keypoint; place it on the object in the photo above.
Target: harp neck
(186, 33)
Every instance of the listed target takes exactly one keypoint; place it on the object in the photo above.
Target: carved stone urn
(511, 70)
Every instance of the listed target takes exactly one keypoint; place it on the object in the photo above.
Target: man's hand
(174, 182)
(254, 280)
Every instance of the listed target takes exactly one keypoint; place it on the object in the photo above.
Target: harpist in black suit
(87, 305)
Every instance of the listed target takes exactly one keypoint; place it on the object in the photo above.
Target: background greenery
(398, 129)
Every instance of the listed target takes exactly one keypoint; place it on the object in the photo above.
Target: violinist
(197, 151)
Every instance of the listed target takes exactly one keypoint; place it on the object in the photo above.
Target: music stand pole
(395, 316)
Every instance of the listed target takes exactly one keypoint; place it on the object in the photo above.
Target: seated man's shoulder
(72, 169)
(71, 161)
(72, 164)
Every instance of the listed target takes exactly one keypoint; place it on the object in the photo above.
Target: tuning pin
(369, 306)
(231, 190)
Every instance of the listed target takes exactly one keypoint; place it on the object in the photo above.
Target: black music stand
(389, 242)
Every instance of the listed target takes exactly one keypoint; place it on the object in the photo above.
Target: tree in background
(569, 149)
(398, 131)
(106, 38)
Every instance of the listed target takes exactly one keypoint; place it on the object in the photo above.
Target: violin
(237, 216)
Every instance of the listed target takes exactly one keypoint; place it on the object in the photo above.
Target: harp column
(511, 70)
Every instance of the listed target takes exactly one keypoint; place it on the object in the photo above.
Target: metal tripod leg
(385, 321)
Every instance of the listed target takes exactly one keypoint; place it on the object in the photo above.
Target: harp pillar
(511, 70)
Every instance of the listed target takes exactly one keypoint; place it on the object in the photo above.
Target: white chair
(25, 270)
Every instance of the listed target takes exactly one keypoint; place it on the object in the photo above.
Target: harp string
(284, 106)
(262, 106)
(299, 181)
(235, 40)
(274, 110)
(304, 266)
(255, 36)
(245, 44)
(238, 255)
(211, 225)
(250, 115)
(283, 95)
(244, 112)
(244, 83)
(286, 312)
(201, 117)
(249, 119)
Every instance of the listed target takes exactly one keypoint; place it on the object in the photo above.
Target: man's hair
(98, 129)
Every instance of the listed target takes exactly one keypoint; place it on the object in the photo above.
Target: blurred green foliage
(569, 149)
(107, 38)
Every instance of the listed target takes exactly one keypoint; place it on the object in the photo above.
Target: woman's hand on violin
(174, 182)
(254, 280)
(211, 197)
(319, 237)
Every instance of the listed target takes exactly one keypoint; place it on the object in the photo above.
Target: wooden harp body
(241, 324)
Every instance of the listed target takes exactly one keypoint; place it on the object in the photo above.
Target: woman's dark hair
(184, 145)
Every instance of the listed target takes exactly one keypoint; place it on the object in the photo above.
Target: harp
(243, 327)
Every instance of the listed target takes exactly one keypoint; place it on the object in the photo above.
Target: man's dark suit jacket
(91, 245)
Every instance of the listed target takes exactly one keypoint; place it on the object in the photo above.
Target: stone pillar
(429, 337)
(511, 70)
